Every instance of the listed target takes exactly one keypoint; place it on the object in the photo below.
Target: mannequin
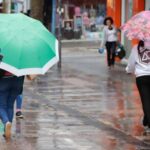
(66, 15)
(92, 12)
(92, 19)
(77, 11)
(77, 18)
(86, 20)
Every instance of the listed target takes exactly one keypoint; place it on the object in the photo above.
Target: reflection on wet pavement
(82, 107)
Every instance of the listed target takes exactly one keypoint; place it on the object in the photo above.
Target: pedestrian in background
(139, 63)
(19, 100)
(10, 87)
(110, 40)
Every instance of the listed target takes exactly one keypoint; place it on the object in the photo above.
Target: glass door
(128, 15)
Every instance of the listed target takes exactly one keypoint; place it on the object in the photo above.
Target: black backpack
(2, 73)
(120, 52)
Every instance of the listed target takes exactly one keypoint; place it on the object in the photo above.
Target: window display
(87, 17)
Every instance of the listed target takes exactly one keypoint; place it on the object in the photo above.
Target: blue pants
(19, 102)
(10, 88)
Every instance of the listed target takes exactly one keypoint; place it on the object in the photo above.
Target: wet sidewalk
(84, 106)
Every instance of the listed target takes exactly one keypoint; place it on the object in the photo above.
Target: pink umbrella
(138, 27)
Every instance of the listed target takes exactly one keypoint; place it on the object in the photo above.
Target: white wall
(147, 5)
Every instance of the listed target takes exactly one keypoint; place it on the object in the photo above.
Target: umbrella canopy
(26, 46)
(138, 27)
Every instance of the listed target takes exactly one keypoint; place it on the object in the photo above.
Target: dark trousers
(111, 53)
(143, 84)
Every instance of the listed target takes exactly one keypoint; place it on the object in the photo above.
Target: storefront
(83, 18)
(17, 6)
(23, 6)
(1, 6)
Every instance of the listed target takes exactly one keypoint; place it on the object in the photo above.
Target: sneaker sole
(8, 131)
(19, 117)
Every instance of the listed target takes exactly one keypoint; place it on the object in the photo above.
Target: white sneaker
(8, 130)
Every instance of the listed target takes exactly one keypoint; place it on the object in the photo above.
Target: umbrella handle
(1, 57)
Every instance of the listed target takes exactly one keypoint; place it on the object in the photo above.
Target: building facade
(87, 15)
(123, 10)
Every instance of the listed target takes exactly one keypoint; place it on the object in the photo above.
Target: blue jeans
(19, 102)
(10, 88)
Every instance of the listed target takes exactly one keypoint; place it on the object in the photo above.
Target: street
(84, 106)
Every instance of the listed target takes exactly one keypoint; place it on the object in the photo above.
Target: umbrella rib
(4, 30)
(8, 41)
(20, 54)
(42, 38)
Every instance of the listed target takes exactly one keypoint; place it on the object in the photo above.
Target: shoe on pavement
(147, 131)
(7, 131)
(19, 115)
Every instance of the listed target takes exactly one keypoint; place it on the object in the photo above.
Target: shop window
(87, 17)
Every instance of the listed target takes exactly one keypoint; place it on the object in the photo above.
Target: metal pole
(59, 32)
(53, 24)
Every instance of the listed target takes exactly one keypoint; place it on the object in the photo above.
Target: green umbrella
(26, 46)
